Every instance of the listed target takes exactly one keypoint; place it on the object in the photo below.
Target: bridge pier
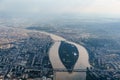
(54, 77)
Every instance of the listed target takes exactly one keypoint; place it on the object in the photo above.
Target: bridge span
(66, 70)
(84, 70)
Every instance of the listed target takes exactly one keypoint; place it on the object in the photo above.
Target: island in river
(68, 54)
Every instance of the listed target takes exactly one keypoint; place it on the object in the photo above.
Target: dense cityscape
(102, 46)
(24, 53)
(59, 39)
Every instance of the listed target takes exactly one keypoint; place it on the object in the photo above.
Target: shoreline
(82, 63)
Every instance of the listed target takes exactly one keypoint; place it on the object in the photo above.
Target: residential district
(24, 54)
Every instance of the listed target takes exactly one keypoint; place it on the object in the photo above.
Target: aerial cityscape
(24, 52)
(59, 40)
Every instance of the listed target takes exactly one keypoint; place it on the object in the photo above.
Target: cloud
(60, 7)
(39, 5)
(104, 7)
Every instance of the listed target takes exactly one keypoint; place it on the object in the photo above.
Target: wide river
(82, 62)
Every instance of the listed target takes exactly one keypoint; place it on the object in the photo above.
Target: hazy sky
(42, 7)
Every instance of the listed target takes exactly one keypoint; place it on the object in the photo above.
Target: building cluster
(26, 58)
(95, 74)
(103, 51)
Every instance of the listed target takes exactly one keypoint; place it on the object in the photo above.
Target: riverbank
(82, 62)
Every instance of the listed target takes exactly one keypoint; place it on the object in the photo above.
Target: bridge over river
(84, 70)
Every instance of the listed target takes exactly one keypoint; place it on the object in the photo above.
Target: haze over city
(105, 8)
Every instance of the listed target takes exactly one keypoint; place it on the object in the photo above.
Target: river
(82, 62)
